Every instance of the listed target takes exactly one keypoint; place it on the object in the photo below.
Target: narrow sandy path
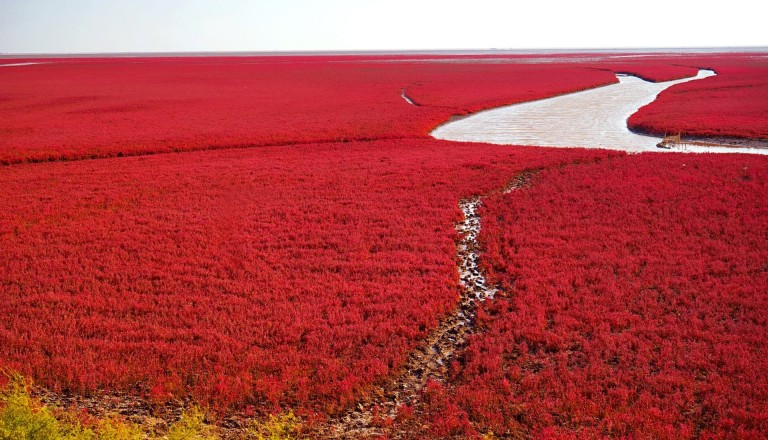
(595, 118)
(19, 64)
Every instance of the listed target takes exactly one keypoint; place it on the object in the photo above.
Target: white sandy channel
(19, 64)
(595, 118)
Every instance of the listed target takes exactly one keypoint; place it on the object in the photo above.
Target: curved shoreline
(723, 141)
(594, 118)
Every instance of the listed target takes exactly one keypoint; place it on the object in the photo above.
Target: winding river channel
(595, 118)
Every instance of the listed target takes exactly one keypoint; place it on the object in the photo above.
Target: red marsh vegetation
(298, 268)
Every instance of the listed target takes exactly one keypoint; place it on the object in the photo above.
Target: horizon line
(487, 51)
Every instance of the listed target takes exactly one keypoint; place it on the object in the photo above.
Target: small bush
(191, 426)
(281, 427)
(23, 417)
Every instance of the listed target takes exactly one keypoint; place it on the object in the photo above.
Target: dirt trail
(431, 359)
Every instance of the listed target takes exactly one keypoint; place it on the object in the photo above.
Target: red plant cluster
(282, 276)
(469, 88)
(637, 303)
(88, 108)
(732, 104)
(96, 108)
(655, 69)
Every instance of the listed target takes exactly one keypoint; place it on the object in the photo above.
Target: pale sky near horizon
(98, 26)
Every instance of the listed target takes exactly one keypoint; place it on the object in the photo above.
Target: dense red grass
(96, 108)
(637, 304)
(82, 108)
(301, 275)
(733, 104)
(275, 276)
(656, 69)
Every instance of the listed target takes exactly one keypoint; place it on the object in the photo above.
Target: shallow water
(595, 118)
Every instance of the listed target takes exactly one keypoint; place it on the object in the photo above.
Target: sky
(99, 26)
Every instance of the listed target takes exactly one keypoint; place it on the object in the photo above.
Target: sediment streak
(430, 361)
